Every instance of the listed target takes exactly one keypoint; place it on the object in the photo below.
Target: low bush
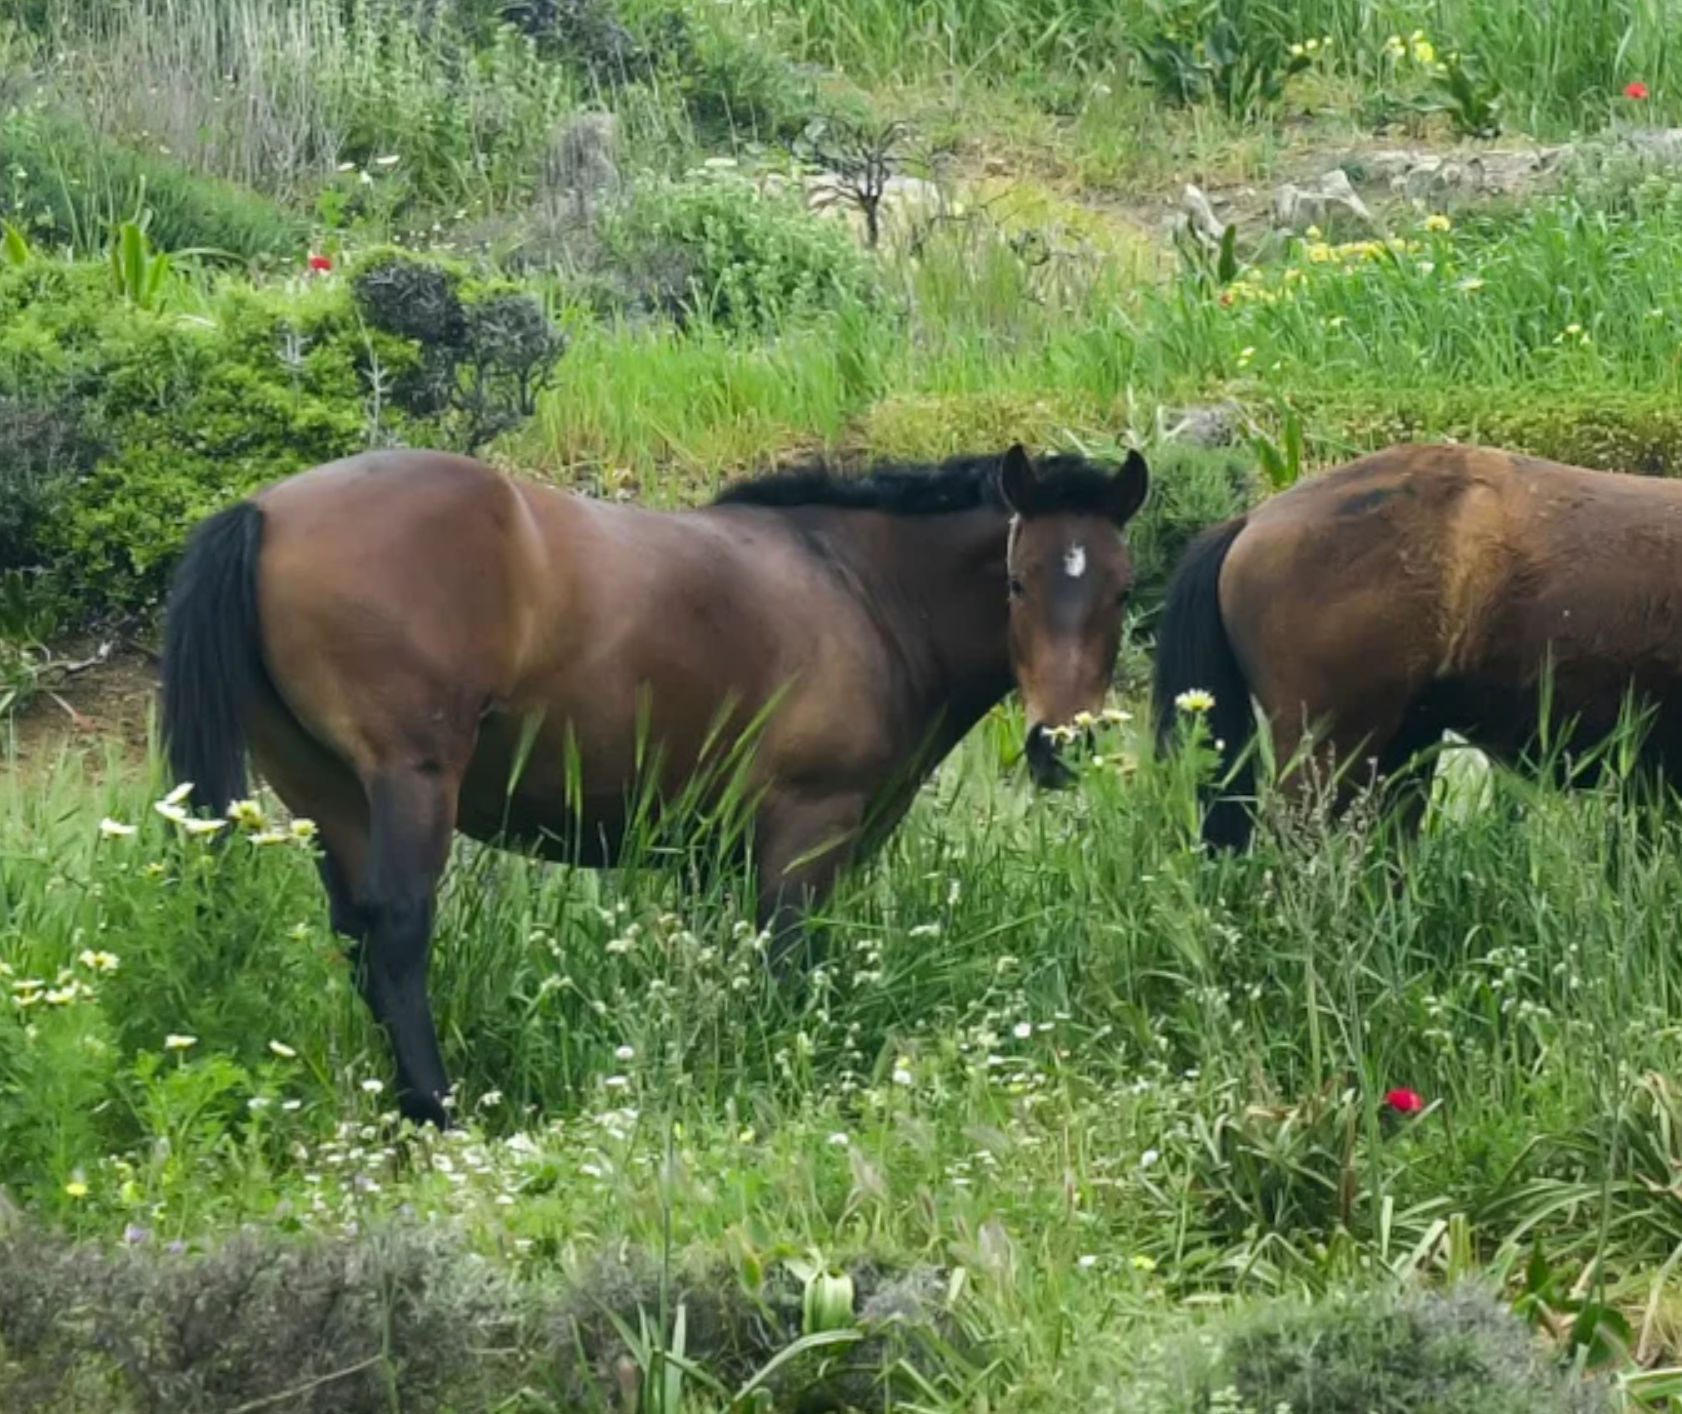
(398, 1318)
(198, 413)
(193, 411)
(44, 450)
(407, 1316)
(716, 247)
(1190, 488)
(484, 354)
(1380, 1353)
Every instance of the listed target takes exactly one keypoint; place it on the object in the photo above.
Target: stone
(1661, 145)
(1201, 425)
(1330, 201)
(907, 204)
(1201, 213)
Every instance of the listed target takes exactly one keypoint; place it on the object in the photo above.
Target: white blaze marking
(1074, 561)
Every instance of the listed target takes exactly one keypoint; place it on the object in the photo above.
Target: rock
(1202, 214)
(907, 203)
(1204, 425)
(918, 1297)
(1328, 202)
(1384, 166)
(1424, 177)
(1660, 145)
(582, 162)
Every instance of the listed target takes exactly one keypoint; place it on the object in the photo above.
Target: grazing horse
(412, 643)
(1425, 588)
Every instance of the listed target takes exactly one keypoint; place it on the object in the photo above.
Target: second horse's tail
(1193, 653)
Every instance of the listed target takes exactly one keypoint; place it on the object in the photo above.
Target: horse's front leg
(804, 841)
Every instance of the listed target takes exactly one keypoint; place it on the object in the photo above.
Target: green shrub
(43, 450)
(192, 412)
(399, 1318)
(1190, 488)
(1379, 1353)
(1236, 53)
(716, 247)
(65, 185)
(199, 417)
(732, 86)
(484, 354)
(196, 411)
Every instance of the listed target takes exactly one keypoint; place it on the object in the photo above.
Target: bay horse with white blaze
(1421, 589)
(412, 643)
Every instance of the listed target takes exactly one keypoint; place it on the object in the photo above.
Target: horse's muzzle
(1046, 768)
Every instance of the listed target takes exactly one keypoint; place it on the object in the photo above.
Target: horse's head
(1070, 575)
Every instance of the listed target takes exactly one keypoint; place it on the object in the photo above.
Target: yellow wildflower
(1436, 221)
(76, 1188)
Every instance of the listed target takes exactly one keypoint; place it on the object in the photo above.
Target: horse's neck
(943, 601)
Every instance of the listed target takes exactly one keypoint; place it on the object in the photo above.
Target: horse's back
(1430, 569)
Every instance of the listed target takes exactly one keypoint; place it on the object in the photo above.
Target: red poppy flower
(1636, 90)
(1404, 1102)
(320, 264)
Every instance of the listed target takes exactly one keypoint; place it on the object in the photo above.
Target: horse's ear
(1017, 481)
(1128, 488)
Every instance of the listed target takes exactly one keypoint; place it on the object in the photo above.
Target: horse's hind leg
(384, 842)
(412, 815)
(804, 842)
(1367, 749)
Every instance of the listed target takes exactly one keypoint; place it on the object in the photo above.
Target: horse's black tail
(1194, 653)
(213, 657)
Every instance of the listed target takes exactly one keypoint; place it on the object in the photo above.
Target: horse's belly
(573, 798)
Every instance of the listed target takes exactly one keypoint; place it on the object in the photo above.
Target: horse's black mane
(1066, 485)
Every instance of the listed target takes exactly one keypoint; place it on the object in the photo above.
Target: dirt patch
(105, 705)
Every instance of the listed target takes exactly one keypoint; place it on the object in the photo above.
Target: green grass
(1153, 1076)
(1554, 328)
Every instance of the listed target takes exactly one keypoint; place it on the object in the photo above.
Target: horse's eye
(1016, 590)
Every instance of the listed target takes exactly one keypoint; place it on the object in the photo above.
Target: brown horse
(412, 643)
(1425, 588)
